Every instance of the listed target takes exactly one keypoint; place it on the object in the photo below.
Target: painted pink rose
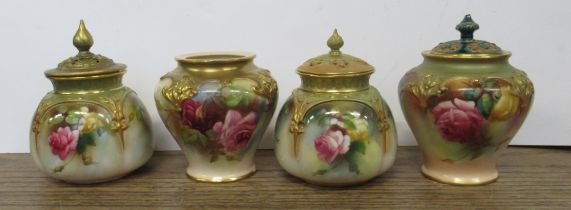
(458, 120)
(196, 115)
(236, 131)
(63, 141)
(330, 144)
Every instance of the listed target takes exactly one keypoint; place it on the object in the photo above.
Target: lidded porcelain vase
(217, 107)
(335, 129)
(464, 104)
(90, 128)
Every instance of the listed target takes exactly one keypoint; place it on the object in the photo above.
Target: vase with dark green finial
(464, 104)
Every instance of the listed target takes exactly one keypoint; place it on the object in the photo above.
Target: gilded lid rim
(305, 68)
(57, 73)
(194, 58)
(457, 56)
(336, 74)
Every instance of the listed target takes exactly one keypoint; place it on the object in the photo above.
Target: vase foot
(95, 181)
(337, 184)
(450, 177)
(220, 179)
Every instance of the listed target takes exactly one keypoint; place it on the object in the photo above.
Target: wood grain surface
(530, 178)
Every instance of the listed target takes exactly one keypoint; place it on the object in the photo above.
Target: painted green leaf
(202, 140)
(490, 83)
(348, 124)
(84, 141)
(234, 96)
(463, 153)
(320, 172)
(58, 169)
(139, 113)
(485, 105)
(355, 148)
(72, 119)
(472, 94)
(232, 100)
(87, 160)
(323, 121)
(352, 156)
(347, 115)
(476, 154)
(194, 136)
(210, 135)
(354, 167)
(56, 119)
(234, 157)
(100, 131)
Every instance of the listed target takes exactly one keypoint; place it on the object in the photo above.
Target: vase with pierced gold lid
(90, 128)
(335, 129)
(464, 104)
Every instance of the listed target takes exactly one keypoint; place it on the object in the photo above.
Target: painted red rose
(330, 144)
(235, 132)
(458, 120)
(63, 142)
(198, 115)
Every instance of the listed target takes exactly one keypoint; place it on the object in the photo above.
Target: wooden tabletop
(529, 178)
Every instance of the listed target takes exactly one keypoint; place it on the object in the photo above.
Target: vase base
(459, 179)
(333, 184)
(221, 179)
(96, 181)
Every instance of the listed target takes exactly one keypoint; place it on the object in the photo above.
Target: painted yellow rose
(361, 130)
(506, 106)
(89, 123)
(455, 87)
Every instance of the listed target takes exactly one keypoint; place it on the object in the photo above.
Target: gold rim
(215, 57)
(80, 77)
(333, 91)
(225, 180)
(336, 75)
(430, 54)
(455, 183)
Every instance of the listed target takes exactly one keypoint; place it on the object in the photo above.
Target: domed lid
(467, 46)
(335, 63)
(85, 64)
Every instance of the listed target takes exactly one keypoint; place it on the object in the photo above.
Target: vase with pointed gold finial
(335, 129)
(464, 104)
(90, 128)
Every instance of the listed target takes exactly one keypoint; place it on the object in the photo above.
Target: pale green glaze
(90, 128)
(335, 129)
(464, 107)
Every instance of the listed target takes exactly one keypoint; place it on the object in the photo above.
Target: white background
(146, 35)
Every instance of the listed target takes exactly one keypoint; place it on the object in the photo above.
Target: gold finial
(335, 42)
(82, 39)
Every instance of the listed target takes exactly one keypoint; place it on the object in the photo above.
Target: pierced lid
(85, 64)
(467, 45)
(335, 63)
